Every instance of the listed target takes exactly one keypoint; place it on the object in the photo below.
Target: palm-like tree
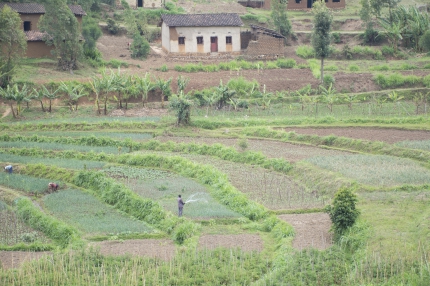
(13, 94)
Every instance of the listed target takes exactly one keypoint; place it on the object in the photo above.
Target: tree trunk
(162, 100)
(322, 70)
(41, 104)
(13, 112)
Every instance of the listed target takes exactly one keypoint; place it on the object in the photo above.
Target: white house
(201, 33)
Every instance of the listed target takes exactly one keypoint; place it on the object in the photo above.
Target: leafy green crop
(89, 214)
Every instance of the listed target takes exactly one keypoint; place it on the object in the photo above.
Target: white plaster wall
(152, 3)
(191, 34)
(146, 3)
(165, 37)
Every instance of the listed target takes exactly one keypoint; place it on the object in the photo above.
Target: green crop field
(375, 170)
(14, 230)
(90, 215)
(164, 187)
(422, 144)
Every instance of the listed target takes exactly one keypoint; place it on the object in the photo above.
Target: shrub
(330, 68)
(343, 212)
(112, 26)
(380, 68)
(387, 50)
(305, 52)
(353, 68)
(328, 80)
(336, 37)
(285, 63)
(271, 65)
(164, 68)
(426, 81)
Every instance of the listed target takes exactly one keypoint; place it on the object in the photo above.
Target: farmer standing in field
(180, 205)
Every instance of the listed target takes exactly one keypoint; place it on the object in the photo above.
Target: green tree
(63, 32)
(139, 47)
(378, 5)
(181, 104)
(280, 18)
(343, 213)
(12, 44)
(321, 37)
(91, 32)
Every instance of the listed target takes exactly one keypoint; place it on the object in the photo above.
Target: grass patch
(89, 214)
(377, 170)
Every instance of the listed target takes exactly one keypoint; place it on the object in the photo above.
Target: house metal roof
(35, 8)
(202, 20)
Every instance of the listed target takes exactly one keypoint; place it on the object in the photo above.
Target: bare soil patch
(271, 149)
(212, 6)
(154, 248)
(14, 259)
(312, 230)
(354, 82)
(246, 242)
(373, 134)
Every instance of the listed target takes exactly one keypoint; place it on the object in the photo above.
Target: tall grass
(193, 267)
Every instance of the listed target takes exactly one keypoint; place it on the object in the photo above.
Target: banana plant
(13, 94)
(145, 85)
(164, 86)
(329, 96)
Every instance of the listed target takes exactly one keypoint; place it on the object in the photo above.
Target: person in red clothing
(53, 186)
(180, 205)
